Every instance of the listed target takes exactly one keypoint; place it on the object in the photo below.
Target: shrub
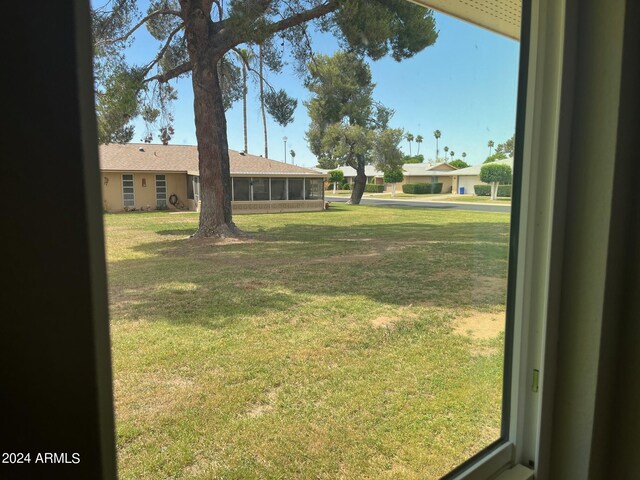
(373, 188)
(504, 191)
(482, 190)
(422, 188)
(485, 190)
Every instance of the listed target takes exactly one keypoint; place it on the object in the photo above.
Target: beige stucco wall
(145, 196)
(277, 206)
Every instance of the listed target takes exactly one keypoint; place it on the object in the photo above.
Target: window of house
(190, 181)
(161, 191)
(241, 189)
(296, 188)
(278, 189)
(128, 197)
(260, 188)
(313, 188)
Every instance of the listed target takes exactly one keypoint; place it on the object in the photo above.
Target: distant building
(148, 177)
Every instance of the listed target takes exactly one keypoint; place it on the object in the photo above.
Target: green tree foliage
(281, 106)
(495, 174)
(195, 38)
(437, 134)
(507, 147)
(347, 126)
(415, 159)
(490, 144)
(409, 137)
(494, 157)
(419, 140)
(393, 175)
(336, 176)
(459, 164)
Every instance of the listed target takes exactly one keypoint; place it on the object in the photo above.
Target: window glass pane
(365, 341)
(190, 187)
(313, 188)
(128, 198)
(278, 189)
(295, 188)
(241, 189)
(260, 189)
(161, 191)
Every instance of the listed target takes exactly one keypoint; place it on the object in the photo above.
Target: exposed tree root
(226, 230)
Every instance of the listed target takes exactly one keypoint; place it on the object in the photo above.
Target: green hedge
(482, 190)
(485, 190)
(421, 188)
(373, 188)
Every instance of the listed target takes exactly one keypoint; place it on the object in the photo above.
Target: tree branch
(301, 17)
(162, 11)
(171, 74)
(296, 19)
(162, 51)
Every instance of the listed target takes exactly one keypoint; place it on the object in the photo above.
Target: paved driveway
(478, 207)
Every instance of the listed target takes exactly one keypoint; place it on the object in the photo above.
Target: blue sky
(465, 85)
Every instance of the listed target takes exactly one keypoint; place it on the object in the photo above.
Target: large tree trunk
(359, 184)
(264, 115)
(211, 125)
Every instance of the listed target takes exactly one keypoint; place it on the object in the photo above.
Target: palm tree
(262, 106)
(409, 137)
(490, 145)
(446, 149)
(292, 152)
(437, 135)
(452, 154)
(419, 140)
(464, 155)
(246, 56)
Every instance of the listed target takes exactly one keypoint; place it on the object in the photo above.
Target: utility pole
(285, 148)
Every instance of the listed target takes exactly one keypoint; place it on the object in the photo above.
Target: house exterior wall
(144, 196)
(277, 206)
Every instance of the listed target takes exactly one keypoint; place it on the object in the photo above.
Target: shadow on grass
(454, 265)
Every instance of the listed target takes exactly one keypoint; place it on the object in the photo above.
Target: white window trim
(166, 202)
(133, 185)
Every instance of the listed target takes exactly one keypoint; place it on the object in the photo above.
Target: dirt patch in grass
(385, 321)
(480, 325)
(267, 406)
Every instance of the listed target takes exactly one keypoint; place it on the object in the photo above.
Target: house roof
(408, 168)
(475, 169)
(146, 157)
(369, 171)
(425, 169)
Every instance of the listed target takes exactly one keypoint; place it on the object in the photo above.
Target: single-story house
(464, 179)
(148, 177)
(373, 175)
(429, 173)
(413, 173)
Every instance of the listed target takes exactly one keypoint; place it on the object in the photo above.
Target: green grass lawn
(356, 343)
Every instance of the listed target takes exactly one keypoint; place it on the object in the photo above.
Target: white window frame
(133, 192)
(165, 191)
